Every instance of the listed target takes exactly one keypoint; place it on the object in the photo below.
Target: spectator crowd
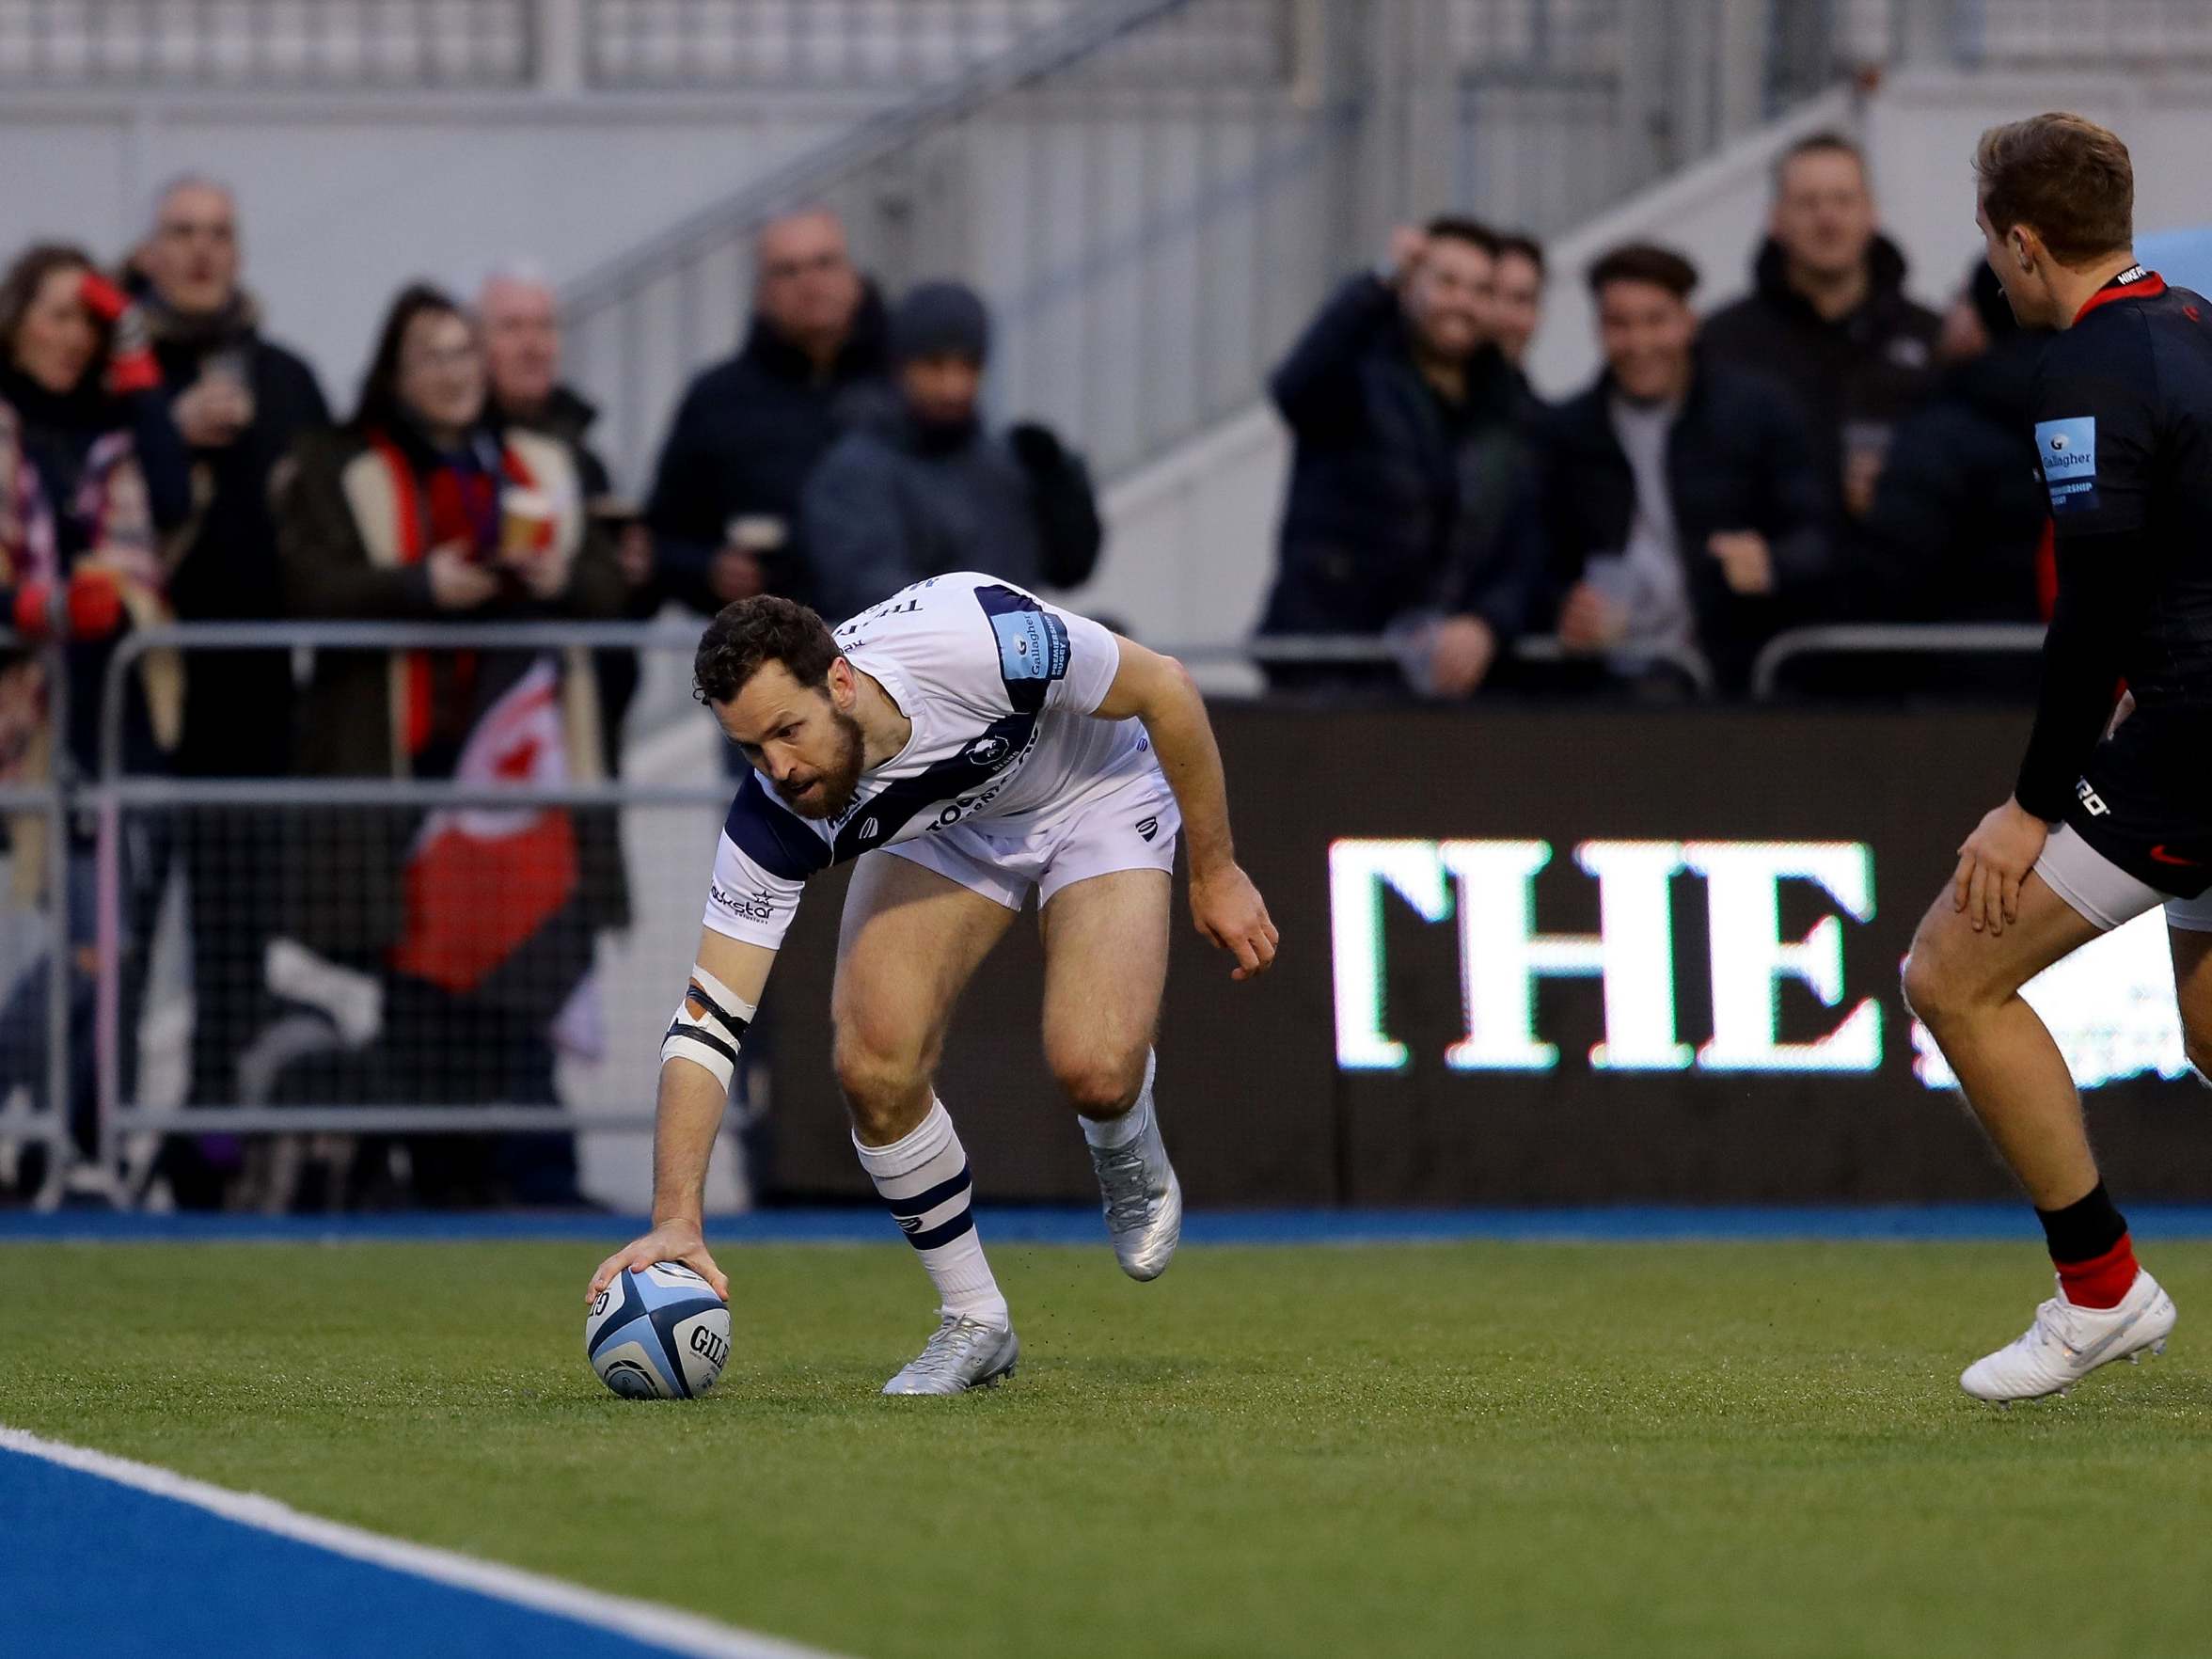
(1822, 450)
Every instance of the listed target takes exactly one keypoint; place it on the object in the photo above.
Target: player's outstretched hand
(1229, 912)
(1993, 862)
(670, 1242)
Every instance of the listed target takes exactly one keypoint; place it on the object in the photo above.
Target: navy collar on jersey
(2133, 283)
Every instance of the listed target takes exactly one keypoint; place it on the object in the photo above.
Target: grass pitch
(1495, 1448)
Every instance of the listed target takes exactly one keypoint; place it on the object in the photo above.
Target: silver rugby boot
(965, 1353)
(1144, 1201)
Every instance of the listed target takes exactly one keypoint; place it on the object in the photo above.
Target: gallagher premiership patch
(1032, 645)
(2067, 449)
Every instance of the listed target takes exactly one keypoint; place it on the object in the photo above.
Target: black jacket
(1399, 502)
(898, 501)
(1959, 515)
(1736, 460)
(238, 704)
(569, 415)
(748, 434)
(1873, 366)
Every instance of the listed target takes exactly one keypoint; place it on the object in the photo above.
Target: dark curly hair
(746, 634)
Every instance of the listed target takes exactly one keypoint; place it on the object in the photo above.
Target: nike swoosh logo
(2110, 1337)
(2160, 855)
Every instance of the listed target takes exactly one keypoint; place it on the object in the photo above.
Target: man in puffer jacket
(1412, 511)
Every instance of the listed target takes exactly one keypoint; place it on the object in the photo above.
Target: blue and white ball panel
(701, 1344)
(666, 1279)
(635, 1364)
(658, 1334)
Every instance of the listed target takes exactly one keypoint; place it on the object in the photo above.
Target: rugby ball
(658, 1333)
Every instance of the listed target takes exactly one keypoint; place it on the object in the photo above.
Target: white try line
(667, 1627)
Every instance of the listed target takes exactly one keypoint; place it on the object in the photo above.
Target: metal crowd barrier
(277, 822)
(1889, 639)
(261, 838)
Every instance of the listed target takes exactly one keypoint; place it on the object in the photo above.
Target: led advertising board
(1558, 956)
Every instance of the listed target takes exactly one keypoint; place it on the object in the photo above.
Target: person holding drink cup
(725, 507)
(423, 507)
(520, 316)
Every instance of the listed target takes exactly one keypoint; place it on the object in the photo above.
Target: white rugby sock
(924, 1180)
(1109, 1133)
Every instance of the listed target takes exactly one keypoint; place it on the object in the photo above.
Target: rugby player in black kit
(2106, 820)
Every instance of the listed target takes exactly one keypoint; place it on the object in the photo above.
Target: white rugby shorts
(1132, 825)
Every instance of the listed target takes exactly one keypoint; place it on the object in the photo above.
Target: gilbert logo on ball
(658, 1333)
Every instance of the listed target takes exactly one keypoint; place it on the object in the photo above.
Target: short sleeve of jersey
(1093, 657)
(1047, 658)
(2096, 428)
(760, 866)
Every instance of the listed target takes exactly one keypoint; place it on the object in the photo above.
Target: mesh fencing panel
(437, 974)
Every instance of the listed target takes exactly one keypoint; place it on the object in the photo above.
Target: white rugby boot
(965, 1353)
(2066, 1343)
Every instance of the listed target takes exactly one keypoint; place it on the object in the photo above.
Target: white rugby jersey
(1000, 688)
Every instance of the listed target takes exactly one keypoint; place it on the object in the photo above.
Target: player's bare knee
(1936, 991)
(880, 1082)
(1100, 1084)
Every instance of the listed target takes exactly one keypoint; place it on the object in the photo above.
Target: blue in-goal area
(867, 1224)
(94, 1565)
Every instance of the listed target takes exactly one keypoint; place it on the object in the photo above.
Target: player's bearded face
(822, 788)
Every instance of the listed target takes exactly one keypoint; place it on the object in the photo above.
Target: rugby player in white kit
(969, 744)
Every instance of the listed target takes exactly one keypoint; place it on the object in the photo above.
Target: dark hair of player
(1818, 144)
(2066, 177)
(1520, 242)
(748, 634)
(1452, 228)
(1643, 261)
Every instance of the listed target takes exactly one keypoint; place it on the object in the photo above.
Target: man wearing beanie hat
(929, 488)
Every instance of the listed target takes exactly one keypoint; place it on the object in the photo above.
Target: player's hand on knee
(1230, 912)
(1994, 864)
(671, 1241)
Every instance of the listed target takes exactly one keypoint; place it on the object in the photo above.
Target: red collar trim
(2148, 286)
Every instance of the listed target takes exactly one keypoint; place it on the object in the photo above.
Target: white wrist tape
(710, 1022)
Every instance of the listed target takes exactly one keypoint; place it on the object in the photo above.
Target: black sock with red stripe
(2090, 1247)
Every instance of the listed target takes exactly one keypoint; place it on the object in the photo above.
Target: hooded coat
(900, 501)
(1873, 366)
